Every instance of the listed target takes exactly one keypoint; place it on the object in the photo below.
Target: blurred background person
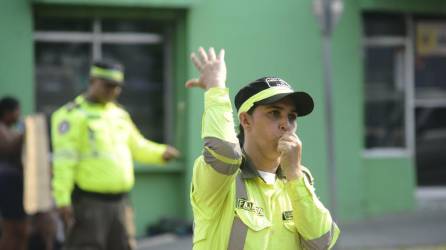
(94, 143)
(14, 218)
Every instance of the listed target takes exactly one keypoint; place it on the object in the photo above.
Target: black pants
(101, 224)
(11, 194)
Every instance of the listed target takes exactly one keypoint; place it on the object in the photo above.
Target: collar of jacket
(249, 171)
(83, 99)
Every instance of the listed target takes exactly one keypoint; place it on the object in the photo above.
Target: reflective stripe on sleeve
(239, 230)
(223, 156)
(321, 243)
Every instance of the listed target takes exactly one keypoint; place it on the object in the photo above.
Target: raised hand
(212, 69)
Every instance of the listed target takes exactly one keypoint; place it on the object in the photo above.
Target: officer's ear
(245, 120)
(93, 81)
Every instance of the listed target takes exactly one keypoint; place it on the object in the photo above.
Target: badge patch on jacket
(64, 126)
(287, 215)
(249, 206)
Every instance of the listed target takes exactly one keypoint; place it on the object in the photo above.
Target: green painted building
(389, 89)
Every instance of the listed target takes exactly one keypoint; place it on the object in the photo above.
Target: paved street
(166, 242)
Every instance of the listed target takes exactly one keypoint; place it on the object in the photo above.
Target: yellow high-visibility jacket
(234, 208)
(93, 146)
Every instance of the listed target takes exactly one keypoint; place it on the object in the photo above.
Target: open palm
(212, 69)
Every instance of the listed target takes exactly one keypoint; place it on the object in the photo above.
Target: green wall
(156, 195)
(389, 185)
(16, 52)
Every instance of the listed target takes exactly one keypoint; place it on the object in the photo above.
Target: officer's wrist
(293, 174)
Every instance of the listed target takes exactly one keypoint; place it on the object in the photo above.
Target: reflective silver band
(226, 150)
(239, 230)
(320, 243)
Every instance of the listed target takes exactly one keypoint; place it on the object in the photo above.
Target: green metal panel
(127, 12)
(390, 185)
(414, 6)
(118, 3)
(16, 50)
(155, 196)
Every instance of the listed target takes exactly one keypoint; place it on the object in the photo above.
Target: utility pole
(328, 13)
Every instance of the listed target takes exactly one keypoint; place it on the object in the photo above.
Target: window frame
(96, 38)
(407, 42)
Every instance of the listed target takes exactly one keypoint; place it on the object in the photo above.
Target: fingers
(194, 83)
(285, 146)
(288, 141)
(203, 55)
(196, 62)
(174, 152)
(290, 137)
(212, 56)
(212, 69)
(206, 57)
(66, 215)
(221, 55)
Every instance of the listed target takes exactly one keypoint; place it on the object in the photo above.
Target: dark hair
(241, 132)
(8, 104)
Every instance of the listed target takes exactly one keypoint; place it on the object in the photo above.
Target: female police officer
(257, 195)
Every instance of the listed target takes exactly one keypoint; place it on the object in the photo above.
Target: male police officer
(94, 143)
(256, 195)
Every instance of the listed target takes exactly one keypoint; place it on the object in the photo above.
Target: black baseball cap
(267, 90)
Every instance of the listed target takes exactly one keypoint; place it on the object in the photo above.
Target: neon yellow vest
(284, 215)
(94, 146)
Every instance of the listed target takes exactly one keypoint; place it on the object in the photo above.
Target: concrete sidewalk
(165, 242)
(422, 229)
(418, 230)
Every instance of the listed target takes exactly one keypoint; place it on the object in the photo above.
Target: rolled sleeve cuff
(156, 155)
(63, 200)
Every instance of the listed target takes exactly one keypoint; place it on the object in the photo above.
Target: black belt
(78, 192)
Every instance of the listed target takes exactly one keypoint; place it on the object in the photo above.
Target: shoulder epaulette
(71, 106)
(121, 108)
(119, 105)
(308, 175)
